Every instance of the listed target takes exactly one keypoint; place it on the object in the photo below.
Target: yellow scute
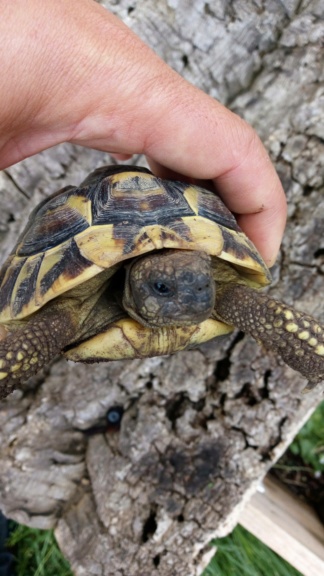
(82, 205)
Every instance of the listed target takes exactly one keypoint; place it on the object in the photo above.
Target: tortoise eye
(162, 289)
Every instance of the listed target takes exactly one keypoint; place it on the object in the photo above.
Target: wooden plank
(287, 526)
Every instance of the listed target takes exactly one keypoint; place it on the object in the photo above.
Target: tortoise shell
(117, 213)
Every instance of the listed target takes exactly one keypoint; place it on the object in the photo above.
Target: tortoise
(128, 265)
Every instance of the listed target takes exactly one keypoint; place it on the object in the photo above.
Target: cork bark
(200, 428)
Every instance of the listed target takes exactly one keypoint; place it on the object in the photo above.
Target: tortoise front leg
(26, 348)
(293, 335)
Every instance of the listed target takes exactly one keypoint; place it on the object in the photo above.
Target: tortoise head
(171, 287)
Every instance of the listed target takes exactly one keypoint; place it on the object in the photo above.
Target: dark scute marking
(32, 215)
(180, 228)
(106, 171)
(71, 265)
(211, 207)
(8, 284)
(53, 222)
(4, 269)
(127, 233)
(173, 187)
(31, 218)
(240, 251)
(130, 202)
(26, 290)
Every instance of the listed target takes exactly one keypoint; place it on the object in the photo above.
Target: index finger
(202, 139)
(252, 190)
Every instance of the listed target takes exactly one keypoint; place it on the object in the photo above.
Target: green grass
(240, 554)
(37, 553)
(309, 443)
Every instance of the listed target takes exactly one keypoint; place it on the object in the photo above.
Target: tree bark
(200, 428)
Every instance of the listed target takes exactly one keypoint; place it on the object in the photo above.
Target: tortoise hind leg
(25, 349)
(293, 335)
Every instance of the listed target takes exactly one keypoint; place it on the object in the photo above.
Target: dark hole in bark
(208, 10)
(149, 527)
(222, 369)
(307, 191)
(264, 392)
(318, 253)
(223, 366)
(248, 394)
(156, 560)
(175, 407)
(199, 406)
(185, 60)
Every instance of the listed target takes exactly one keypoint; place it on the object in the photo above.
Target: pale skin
(72, 72)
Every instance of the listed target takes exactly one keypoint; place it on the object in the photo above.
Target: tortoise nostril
(205, 287)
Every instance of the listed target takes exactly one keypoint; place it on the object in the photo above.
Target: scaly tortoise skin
(130, 266)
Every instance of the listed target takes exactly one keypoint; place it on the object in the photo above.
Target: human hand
(72, 72)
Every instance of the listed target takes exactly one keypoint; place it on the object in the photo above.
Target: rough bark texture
(200, 428)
